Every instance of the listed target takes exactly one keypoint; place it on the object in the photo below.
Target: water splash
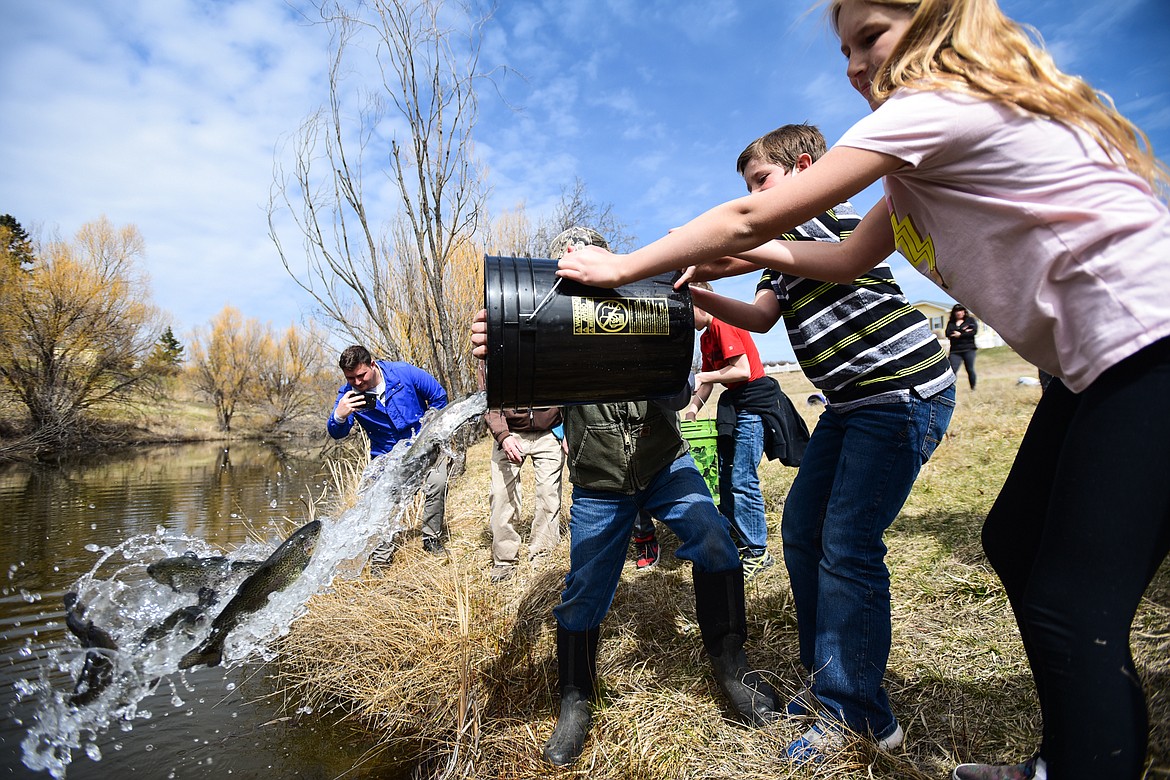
(119, 596)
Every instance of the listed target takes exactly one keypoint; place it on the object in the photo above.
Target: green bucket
(702, 437)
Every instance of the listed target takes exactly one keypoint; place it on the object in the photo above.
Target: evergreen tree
(168, 353)
(15, 244)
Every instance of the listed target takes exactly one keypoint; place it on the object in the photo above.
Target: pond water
(208, 722)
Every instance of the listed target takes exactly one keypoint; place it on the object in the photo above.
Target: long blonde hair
(970, 45)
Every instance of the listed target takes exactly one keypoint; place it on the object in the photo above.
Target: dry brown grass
(453, 677)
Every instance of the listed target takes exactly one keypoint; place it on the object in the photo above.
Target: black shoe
(576, 672)
(573, 724)
(719, 607)
(434, 546)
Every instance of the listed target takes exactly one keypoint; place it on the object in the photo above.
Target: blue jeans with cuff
(740, 498)
(857, 471)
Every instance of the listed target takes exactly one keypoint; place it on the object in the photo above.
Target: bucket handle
(547, 297)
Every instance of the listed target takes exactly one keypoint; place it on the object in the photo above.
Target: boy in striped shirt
(890, 393)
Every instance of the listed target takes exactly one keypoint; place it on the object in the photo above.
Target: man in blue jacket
(388, 399)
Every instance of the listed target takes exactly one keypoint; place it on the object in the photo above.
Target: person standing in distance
(961, 330)
(535, 435)
(730, 358)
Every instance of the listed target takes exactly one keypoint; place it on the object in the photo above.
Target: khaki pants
(548, 459)
(435, 490)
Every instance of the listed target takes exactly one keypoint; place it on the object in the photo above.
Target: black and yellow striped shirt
(859, 343)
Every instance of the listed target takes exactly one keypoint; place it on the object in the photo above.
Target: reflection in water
(207, 723)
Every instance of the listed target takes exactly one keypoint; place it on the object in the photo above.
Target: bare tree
(576, 207)
(415, 129)
(512, 233)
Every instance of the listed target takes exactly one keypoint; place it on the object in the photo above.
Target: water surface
(56, 521)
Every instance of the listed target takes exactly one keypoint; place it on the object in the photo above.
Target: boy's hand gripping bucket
(551, 341)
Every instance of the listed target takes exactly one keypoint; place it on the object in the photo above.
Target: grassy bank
(451, 676)
(174, 415)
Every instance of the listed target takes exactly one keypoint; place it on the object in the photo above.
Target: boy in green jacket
(626, 457)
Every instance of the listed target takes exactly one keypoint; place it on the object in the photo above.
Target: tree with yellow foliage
(295, 378)
(225, 361)
(239, 363)
(76, 327)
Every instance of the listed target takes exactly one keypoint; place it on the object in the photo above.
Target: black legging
(967, 358)
(1077, 533)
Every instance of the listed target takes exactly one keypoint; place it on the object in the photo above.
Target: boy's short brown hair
(783, 146)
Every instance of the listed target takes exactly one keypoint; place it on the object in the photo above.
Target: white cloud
(164, 115)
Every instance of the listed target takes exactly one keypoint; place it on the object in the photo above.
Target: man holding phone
(388, 399)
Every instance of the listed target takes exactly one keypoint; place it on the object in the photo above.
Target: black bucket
(577, 344)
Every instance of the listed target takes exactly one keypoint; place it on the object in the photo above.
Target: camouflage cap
(576, 237)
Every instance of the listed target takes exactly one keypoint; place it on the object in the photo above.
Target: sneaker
(1031, 769)
(893, 740)
(754, 564)
(824, 738)
(647, 547)
(434, 546)
(383, 554)
(812, 746)
(501, 572)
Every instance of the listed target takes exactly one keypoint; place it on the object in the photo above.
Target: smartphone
(369, 400)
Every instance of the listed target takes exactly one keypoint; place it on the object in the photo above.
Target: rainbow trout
(188, 573)
(280, 570)
(98, 671)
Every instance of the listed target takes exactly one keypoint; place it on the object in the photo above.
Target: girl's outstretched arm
(842, 263)
(716, 269)
(742, 224)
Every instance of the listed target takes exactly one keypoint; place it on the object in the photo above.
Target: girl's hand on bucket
(479, 335)
(593, 266)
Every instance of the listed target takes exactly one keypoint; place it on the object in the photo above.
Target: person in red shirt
(730, 358)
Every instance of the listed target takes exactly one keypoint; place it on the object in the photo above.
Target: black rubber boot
(719, 606)
(577, 669)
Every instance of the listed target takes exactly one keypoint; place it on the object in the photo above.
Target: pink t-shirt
(1065, 253)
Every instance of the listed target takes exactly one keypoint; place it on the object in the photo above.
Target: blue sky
(170, 114)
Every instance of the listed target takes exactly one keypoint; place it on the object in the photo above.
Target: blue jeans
(600, 522)
(857, 471)
(740, 499)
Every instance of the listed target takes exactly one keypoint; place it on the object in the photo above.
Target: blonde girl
(1025, 195)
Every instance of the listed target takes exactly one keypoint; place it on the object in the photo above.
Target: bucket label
(621, 316)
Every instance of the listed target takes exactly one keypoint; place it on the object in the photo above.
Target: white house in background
(937, 315)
